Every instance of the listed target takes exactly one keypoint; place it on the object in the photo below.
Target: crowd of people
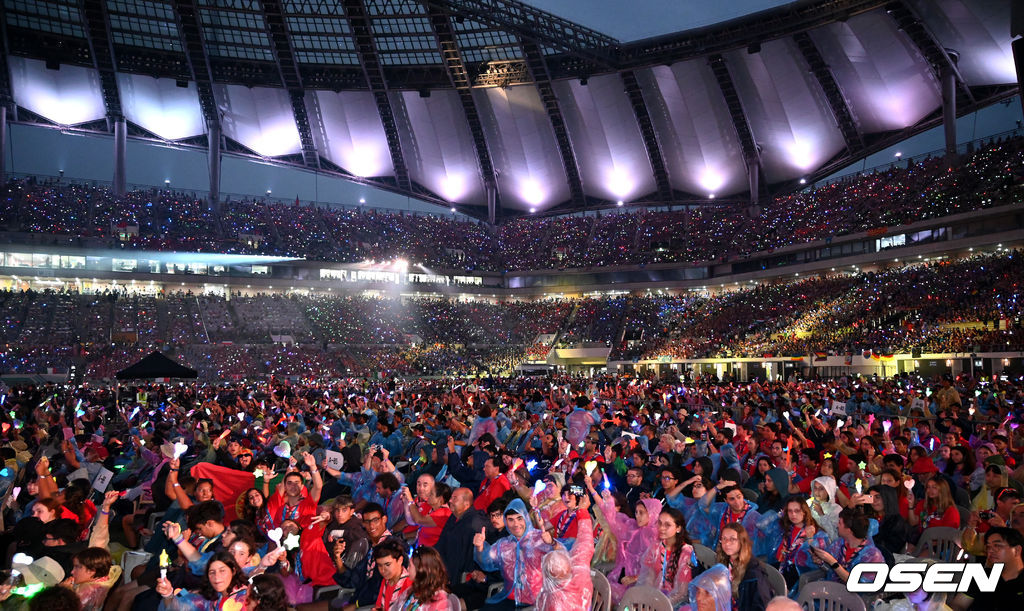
(503, 493)
(938, 306)
(164, 220)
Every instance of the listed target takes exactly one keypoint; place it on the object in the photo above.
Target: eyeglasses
(372, 520)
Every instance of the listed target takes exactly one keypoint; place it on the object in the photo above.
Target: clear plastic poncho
(715, 583)
(519, 560)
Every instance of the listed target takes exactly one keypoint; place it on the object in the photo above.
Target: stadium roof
(440, 98)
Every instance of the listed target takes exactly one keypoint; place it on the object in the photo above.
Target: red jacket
(491, 491)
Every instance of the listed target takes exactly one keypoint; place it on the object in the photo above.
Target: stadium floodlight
(619, 203)
(362, 200)
(898, 154)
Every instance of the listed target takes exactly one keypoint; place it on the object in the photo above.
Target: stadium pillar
(3, 144)
(120, 156)
(752, 177)
(949, 109)
(492, 201)
(214, 148)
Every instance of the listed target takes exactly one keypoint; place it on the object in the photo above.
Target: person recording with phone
(979, 522)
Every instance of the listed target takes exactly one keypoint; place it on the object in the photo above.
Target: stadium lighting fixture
(167, 181)
(268, 191)
(619, 203)
(453, 208)
(898, 154)
(362, 200)
(801, 154)
(619, 182)
(532, 210)
(711, 196)
(803, 181)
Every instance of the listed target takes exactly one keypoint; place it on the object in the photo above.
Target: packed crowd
(161, 219)
(961, 305)
(504, 493)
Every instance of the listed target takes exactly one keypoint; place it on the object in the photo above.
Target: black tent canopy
(156, 365)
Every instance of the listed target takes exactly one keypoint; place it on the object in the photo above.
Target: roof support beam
(840, 106)
(6, 94)
(643, 120)
(284, 54)
(539, 72)
(366, 48)
(742, 32)
(910, 23)
(751, 155)
(441, 23)
(539, 26)
(97, 30)
(187, 14)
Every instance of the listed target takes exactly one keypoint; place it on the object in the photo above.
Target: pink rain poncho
(567, 582)
(442, 601)
(656, 571)
(633, 541)
(578, 423)
(518, 560)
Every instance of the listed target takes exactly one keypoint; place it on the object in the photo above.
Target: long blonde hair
(944, 500)
(737, 570)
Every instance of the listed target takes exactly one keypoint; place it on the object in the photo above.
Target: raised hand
(172, 530)
(164, 588)
(272, 557)
(479, 539)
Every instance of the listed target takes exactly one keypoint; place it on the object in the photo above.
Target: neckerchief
(290, 513)
(564, 522)
(669, 566)
(387, 591)
(371, 564)
(792, 543)
(727, 516)
(849, 554)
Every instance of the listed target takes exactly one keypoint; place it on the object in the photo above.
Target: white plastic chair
(829, 596)
(941, 543)
(705, 555)
(132, 559)
(645, 598)
(775, 579)
(602, 597)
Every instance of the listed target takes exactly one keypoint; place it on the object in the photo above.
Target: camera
(986, 515)
(576, 490)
